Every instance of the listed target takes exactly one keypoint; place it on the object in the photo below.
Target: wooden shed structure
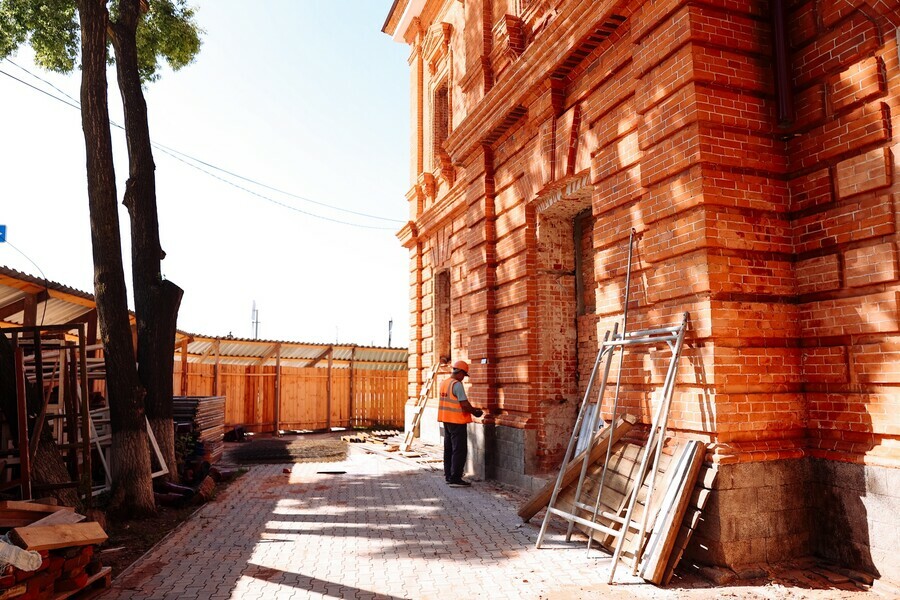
(271, 385)
(268, 385)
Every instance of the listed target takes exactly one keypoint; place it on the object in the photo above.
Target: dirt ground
(129, 540)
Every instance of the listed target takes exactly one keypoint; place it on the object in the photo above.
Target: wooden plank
(316, 360)
(20, 518)
(33, 507)
(29, 316)
(672, 516)
(688, 526)
(86, 466)
(22, 408)
(13, 592)
(50, 537)
(183, 387)
(350, 392)
(278, 383)
(675, 491)
(12, 521)
(659, 493)
(61, 517)
(330, 386)
(573, 469)
(216, 369)
(8, 310)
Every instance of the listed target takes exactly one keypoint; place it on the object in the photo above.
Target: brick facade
(767, 212)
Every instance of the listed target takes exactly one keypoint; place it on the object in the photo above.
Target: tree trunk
(156, 301)
(132, 486)
(48, 467)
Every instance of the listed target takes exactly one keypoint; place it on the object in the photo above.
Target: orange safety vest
(449, 410)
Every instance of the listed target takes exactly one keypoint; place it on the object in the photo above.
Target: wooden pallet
(96, 585)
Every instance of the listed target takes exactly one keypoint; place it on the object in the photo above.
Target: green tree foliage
(167, 32)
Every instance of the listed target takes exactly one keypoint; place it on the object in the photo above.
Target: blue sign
(2, 233)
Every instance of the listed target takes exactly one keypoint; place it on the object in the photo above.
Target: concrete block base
(773, 511)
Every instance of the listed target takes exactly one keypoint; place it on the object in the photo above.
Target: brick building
(755, 150)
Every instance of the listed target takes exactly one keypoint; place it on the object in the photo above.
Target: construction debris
(52, 537)
(59, 557)
(373, 437)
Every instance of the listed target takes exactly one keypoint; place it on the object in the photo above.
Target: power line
(46, 93)
(268, 187)
(39, 78)
(266, 198)
(186, 158)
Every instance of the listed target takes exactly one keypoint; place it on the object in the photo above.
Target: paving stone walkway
(382, 529)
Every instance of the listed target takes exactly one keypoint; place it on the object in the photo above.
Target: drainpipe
(783, 90)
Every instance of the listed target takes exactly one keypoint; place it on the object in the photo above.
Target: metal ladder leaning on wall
(419, 408)
(672, 336)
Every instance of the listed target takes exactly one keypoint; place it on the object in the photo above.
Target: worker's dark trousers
(454, 451)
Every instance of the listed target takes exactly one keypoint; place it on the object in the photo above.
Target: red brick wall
(780, 242)
(844, 191)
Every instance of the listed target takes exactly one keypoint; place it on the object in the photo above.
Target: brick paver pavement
(384, 530)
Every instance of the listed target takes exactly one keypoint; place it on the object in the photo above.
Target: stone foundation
(756, 513)
(773, 511)
(854, 516)
(499, 453)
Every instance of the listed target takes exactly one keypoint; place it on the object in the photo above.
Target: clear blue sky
(307, 96)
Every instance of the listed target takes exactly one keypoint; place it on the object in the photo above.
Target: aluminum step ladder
(673, 337)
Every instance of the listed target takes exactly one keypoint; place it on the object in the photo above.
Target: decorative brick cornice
(408, 235)
(532, 69)
(435, 215)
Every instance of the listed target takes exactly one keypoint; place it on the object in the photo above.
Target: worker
(455, 412)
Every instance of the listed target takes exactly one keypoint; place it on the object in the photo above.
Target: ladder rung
(618, 519)
(643, 332)
(643, 340)
(585, 522)
(590, 508)
(607, 515)
(584, 506)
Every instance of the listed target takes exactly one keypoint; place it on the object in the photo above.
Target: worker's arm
(477, 412)
(460, 391)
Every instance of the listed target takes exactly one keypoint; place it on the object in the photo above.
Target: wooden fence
(267, 398)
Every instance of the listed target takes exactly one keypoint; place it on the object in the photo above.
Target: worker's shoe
(459, 483)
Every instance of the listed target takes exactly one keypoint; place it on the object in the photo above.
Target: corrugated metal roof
(232, 350)
(26, 279)
(63, 304)
(58, 303)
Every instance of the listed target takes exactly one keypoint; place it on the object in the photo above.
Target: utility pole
(390, 327)
(254, 321)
